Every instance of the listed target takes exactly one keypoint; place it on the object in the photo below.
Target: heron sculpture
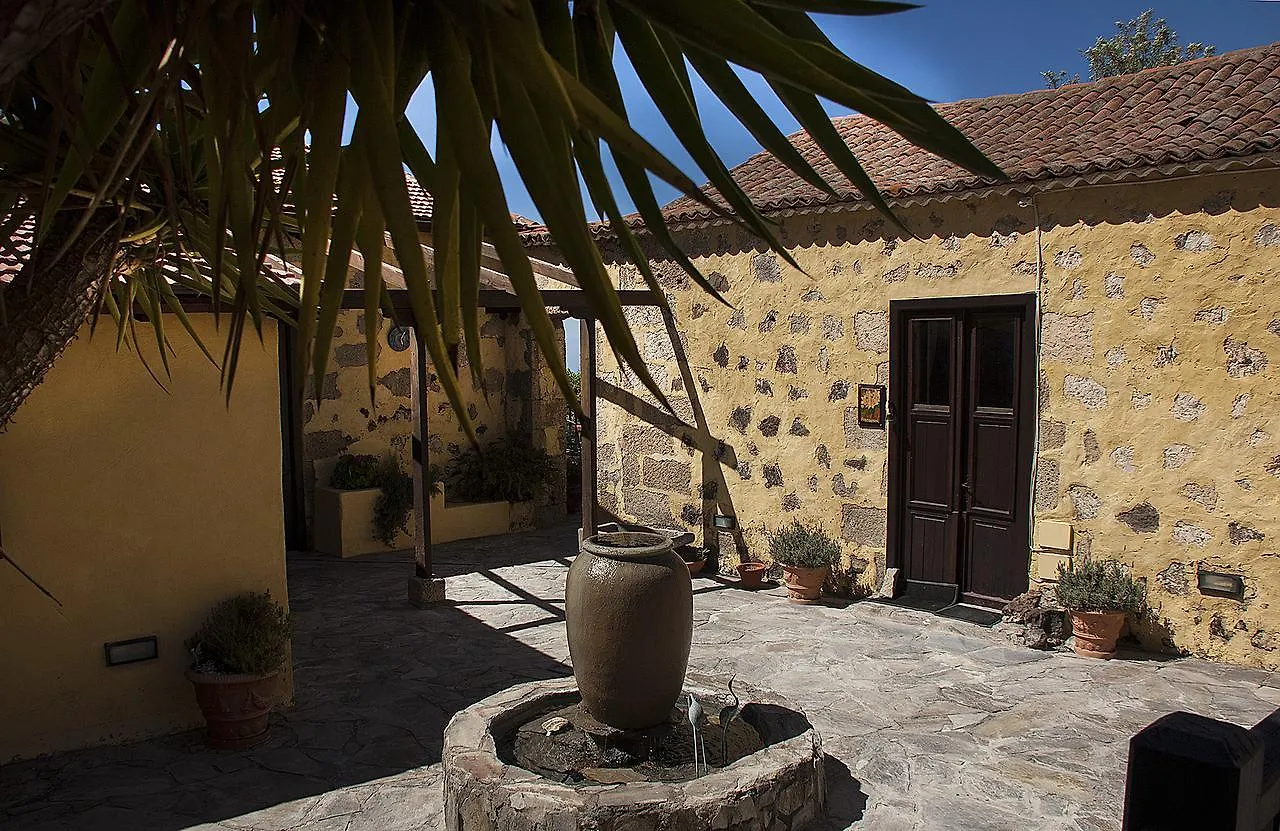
(727, 714)
(695, 716)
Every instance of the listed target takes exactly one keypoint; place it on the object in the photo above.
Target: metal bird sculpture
(727, 715)
(695, 716)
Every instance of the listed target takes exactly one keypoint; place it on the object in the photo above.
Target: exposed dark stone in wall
(399, 382)
(770, 425)
(839, 391)
(740, 418)
(795, 393)
(737, 320)
(647, 506)
(772, 476)
(859, 463)
(864, 526)
(799, 324)
(1053, 435)
(765, 268)
(839, 488)
(1243, 360)
(1239, 533)
(790, 502)
(690, 515)
(671, 275)
(721, 355)
(786, 360)
(1174, 578)
(1092, 452)
(812, 295)
(667, 475)
(744, 470)
(644, 439)
(764, 387)
(798, 428)
(823, 455)
(1165, 355)
(698, 310)
(351, 354)
(1048, 484)
(325, 443)
(308, 410)
(768, 322)
(743, 362)
(1142, 518)
(813, 483)
(1267, 236)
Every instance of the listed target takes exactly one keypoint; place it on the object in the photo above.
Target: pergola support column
(587, 392)
(424, 588)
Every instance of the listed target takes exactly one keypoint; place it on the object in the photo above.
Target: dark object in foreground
(1191, 772)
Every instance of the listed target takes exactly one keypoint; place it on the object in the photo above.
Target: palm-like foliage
(200, 143)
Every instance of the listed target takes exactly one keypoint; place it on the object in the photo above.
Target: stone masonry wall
(1158, 424)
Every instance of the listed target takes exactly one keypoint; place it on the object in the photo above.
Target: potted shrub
(806, 554)
(509, 470)
(694, 556)
(239, 652)
(1098, 594)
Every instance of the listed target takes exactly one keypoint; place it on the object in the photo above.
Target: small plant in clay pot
(239, 653)
(806, 554)
(1099, 594)
(751, 574)
(694, 556)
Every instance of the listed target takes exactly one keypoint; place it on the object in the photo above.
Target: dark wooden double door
(961, 443)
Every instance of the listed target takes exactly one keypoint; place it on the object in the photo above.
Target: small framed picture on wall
(871, 405)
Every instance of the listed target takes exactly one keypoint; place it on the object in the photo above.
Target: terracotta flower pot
(751, 575)
(1096, 632)
(629, 616)
(236, 708)
(804, 585)
(695, 565)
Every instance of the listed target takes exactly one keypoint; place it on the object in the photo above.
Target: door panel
(961, 444)
(930, 502)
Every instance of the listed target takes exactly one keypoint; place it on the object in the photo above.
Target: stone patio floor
(928, 723)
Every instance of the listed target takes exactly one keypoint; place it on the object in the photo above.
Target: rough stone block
(766, 268)
(1048, 484)
(658, 347)
(1053, 434)
(1085, 390)
(864, 526)
(644, 439)
(667, 475)
(871, 331)
(425, 592)
(648, 506)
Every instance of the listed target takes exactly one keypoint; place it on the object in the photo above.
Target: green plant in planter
(391, 511)
(1100, 586)
(803, 546)
(508, 469)
(247, 634)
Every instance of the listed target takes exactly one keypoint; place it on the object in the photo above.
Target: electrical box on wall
(132, 651)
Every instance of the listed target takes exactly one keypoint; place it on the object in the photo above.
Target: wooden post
(424, 589)
(588, 395)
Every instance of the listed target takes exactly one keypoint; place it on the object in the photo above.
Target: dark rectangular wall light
(1221, 585)
(132, 651)
(727, 523)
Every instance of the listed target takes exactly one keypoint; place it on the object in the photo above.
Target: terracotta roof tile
(1213, 108)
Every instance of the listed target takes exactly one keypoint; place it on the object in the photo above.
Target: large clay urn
(629, 610)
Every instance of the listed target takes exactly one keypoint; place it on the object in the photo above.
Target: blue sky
(947, 50)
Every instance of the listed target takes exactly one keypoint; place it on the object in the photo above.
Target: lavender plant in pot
(806, 554)
(239, 652)
(1099, 594)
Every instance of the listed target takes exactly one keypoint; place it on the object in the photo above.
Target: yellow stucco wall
(139, 509)
(1128, 272)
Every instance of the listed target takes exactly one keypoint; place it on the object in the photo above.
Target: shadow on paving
(376, 681)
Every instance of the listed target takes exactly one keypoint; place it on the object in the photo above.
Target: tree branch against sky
(192, 144)
(1138, 44)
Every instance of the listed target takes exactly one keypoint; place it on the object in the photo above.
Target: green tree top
(1141, 43)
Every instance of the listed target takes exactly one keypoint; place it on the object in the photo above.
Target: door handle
(966, 495)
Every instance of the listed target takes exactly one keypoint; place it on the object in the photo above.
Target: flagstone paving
(928, 723)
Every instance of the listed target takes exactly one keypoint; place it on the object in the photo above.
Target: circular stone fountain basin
(779, 786)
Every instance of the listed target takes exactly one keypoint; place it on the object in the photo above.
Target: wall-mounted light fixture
(132, 651)
(726, 523)
(1221, 585)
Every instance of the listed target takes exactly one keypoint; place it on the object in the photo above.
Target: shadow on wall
(1122, 204)
(713, 491)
